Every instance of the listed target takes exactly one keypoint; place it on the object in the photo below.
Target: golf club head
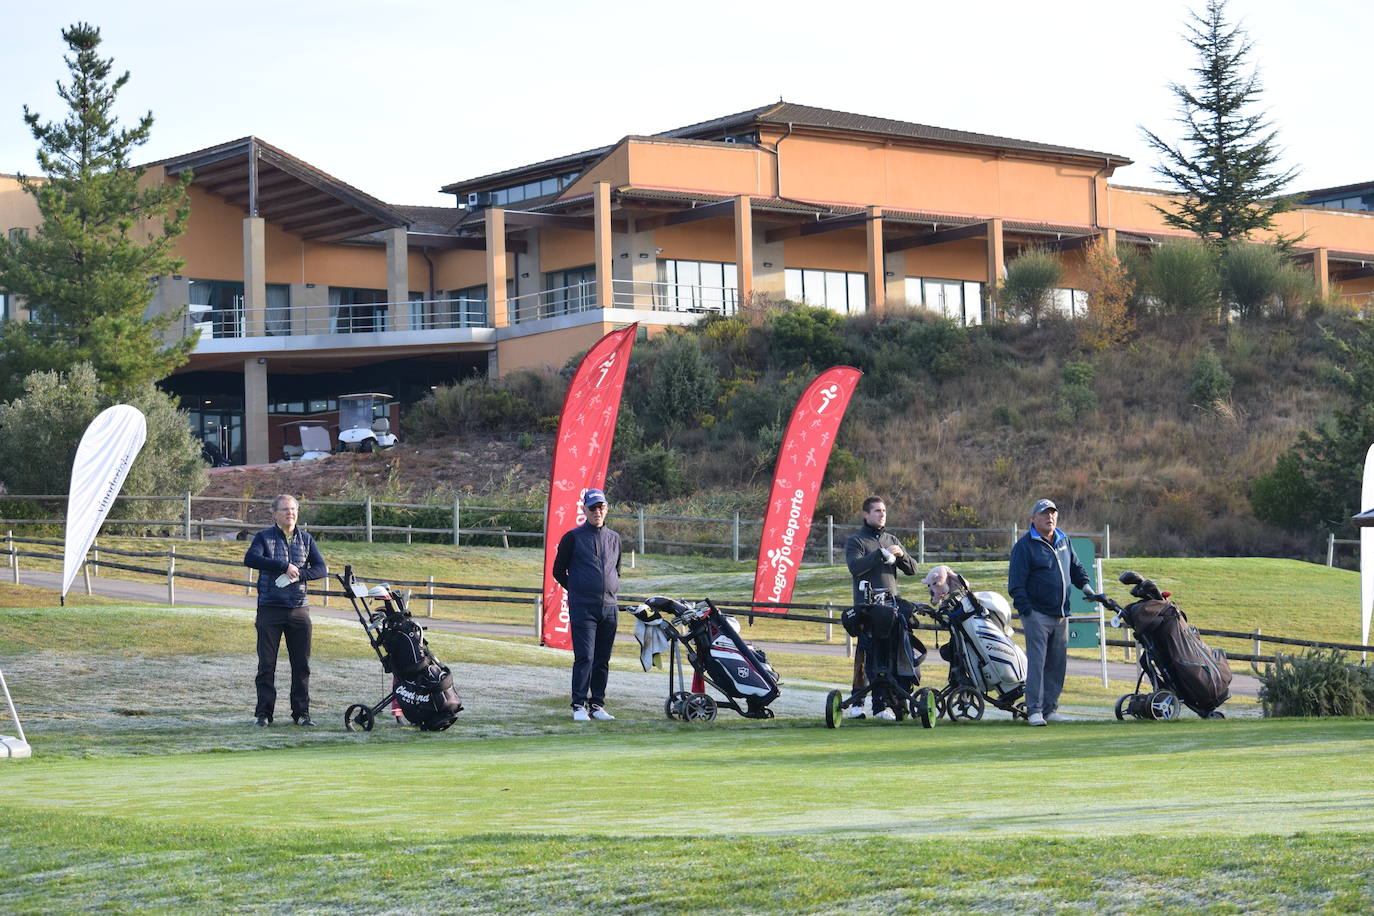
(1129, 577)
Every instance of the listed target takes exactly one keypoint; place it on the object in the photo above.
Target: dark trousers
(593, 636)
(272, 624)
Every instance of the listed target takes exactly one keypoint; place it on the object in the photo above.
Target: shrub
(39, 433)
(1029, 287)
(1077, 397)
(1284, 496)
(651, 475)
(1250, 277)
(684, 384)
(1316, 683)
(806, 336)
(1109, 285)
(1210, 382)
(472, 405)
(1183, 280)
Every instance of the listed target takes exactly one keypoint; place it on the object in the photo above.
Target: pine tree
(1227, 168)
(105, 232)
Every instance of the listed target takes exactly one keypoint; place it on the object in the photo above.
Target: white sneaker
(886, 715)
(1057, 717)
(1036, 719)
(854, 712)
(601, 715)
(580, 714)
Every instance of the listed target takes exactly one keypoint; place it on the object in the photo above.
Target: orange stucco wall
(614, 167)
(561, 249)
(708, 240)
(843, 250)
(460, 269)
(962, 260)
(549, 350)
(17, 208)
(715, 168)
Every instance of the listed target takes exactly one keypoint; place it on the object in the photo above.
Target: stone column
(254, 278)
(877, 277)
(496, 266)
(255, 410)
(397, 280)
(601, 220)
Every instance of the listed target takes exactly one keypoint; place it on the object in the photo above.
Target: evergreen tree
(85, 271)
(1227, 167)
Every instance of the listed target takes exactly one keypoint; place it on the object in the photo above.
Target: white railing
(411, 315)
(674, 297)
(549, 303)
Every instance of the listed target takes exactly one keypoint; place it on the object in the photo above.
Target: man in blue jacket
(285, 558)
(1042, 570)
(587, 564)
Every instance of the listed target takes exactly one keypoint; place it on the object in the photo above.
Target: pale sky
(399, 98)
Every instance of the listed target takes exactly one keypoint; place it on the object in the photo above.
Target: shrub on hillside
(1183, 280)
(910, 343)
(652, 474)
(683, 388)
(806, 336)
(1209, 381)
(1077, 398)
(1250, 277)
(472, 405)
(39, 433)
(1028, 290)
(1283, 497)
(1109, 285)
(1316, 683)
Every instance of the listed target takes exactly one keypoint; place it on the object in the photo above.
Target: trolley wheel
(1163, 705)
(358, 714)
(1216, 714)
(942, 701)
(965, 703)
(699, 707)
(1122, 704)
(925, 707)
(834, 715)
(672, 707)
(1019, 712)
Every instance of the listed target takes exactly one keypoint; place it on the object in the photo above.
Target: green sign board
(1083, 633)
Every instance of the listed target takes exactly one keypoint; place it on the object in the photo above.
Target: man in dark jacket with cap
(587, 565)
(285, 558)
(1042, 570)
(874, 555)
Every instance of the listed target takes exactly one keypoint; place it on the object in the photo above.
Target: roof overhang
(263, 181)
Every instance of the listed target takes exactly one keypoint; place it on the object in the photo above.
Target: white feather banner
(107, 451)
(1366, 549)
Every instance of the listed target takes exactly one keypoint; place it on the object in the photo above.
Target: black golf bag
(893, 664)
(719, 656)
(1175, 658)
(422, 688)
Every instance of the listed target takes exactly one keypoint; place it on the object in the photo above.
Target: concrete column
(601, 219)
(1109, 239)
(255, 280)
(996, 264)
(309, 308)
(744, 247)
(496, 266)
(769, 279)
(255, 410)
(1321, 269)
(895, 264)
(397, 279)
(877, 277)
(528, 264)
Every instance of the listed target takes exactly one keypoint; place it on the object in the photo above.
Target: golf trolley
(422, 689)
(1181, 668)
(985, 666)
(719, 656)
(893, 664)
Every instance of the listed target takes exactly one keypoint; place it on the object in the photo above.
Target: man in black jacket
(874, 555)
(587, 564)
(285, 558)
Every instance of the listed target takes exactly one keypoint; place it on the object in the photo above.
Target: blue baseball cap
(1043, 505)
(593, 498)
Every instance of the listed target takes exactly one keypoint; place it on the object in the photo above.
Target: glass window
(842, 291)
(697, 285)
(278, 317)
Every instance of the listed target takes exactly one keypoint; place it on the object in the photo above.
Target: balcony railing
(365, 318)
(642, 295)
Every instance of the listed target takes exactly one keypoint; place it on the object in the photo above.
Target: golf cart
(361, 429)
(314, 442)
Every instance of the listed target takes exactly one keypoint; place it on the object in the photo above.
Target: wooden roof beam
(691, 215)
(834, 224)
(938, 237)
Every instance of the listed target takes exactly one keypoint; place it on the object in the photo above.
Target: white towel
(653, 642)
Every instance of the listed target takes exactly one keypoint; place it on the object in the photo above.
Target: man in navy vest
(286, 558)
(1043, 568)
(587, 565)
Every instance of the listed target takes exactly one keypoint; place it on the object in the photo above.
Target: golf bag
(1175, 657)
(893, 662)
(422, 688)
(985, 666)
(719, 656)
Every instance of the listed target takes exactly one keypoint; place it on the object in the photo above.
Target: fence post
(830, 540)
(921, 542)
(429, 604)
(410, 529)
(457, 518)
(14, 554)
(1015, 534)
(1106, 542)
(188, 515)
(248, 589)
(171, 576)
(86, 575)
(1330, 552)
(1255, 637)
(367, 517)
(95, 552)
(829, 627)
(539, 618)
(735, 538)
(640, 512)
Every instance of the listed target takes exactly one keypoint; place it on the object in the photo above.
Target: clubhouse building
(300, 287)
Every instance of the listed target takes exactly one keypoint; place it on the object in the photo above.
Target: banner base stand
(14, 747)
